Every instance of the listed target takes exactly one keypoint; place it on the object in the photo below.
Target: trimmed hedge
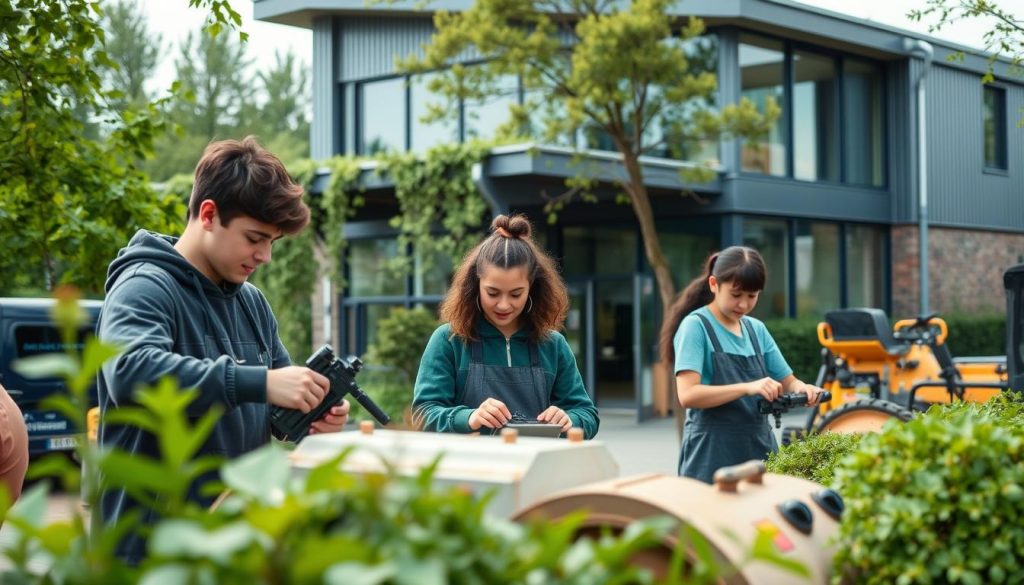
(936, 500)
(815, 457)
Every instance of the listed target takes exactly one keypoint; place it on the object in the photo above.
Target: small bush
(938, 499)
(798, 341)
(815, 457)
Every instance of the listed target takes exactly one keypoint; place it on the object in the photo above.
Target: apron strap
(534, 355)
(753, 338)
(476, 352)
(711, 332)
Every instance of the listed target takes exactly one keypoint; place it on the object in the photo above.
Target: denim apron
(733, 432)
(523, 389)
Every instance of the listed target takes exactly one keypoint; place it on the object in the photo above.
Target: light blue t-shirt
(694, 349)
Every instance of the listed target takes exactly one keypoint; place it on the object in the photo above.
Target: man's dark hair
(243, 178)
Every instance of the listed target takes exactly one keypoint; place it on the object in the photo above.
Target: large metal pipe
(921, 50)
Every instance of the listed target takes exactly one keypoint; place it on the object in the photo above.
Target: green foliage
(976, 334)
(814, 457)
(436, 191)
(938, 499)
(798, 341)
(134, 48)
(401, 337)
(1005, 38)
(70, 201)
(619, 69)
(327, 526)
(392, 361)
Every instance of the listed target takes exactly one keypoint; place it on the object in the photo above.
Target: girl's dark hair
(737, 265)
(509, 246)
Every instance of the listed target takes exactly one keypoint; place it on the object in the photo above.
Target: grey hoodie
(171, 320)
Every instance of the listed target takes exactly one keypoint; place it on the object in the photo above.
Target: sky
(172, 19)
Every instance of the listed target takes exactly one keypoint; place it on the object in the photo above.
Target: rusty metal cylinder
(798, 515)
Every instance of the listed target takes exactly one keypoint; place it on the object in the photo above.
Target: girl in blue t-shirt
(724, 362)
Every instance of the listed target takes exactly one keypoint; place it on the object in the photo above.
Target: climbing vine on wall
(436, 190)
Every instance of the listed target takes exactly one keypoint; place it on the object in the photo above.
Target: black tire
(863, 416)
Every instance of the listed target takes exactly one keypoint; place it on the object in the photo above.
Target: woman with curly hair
(499, 355)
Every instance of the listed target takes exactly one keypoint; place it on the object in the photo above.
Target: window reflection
(865, 247)
(368, 268)
(769, 237)
(863, 123)
(816, 248)
(994, 123)
(815, 136)
(761, 77)
(382, 108)
(483, 117)
(426, 135)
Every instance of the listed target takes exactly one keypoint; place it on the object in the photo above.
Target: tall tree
(601, 64)
(68, 199)
(281, 120)
(1005, 38)
(133, 47)
(213, 71)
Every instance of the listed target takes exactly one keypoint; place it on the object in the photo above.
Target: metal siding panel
(370, 45)
(322, 129)
(960, 192)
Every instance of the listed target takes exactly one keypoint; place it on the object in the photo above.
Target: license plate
(61, 443)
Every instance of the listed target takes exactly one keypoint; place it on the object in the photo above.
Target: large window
(421, 99)
(701, 57)
(994, 121)
(863, 125)
(833, 113)
(482, 118)
(770, 238)
(815, 136)
(369, 275)
(599, 251)
(816, 249)
(865, 257)
(762, 77)
(382, 110)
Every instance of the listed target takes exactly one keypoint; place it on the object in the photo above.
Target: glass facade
(815, 132)
(816, 251)
(762, 76)
(482, 118)
(428, 134)
(864, 123)
(770, 237)
(369, 275)
(865, 266)
(382, 109)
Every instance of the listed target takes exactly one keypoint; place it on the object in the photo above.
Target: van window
(36, 339)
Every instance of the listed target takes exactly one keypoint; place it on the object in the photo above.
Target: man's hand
(332, 421)
(296, 387)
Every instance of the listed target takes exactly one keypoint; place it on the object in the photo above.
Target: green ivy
(436, 190)
(938, 499)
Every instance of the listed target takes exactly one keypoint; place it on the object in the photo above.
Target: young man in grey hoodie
(181, 307)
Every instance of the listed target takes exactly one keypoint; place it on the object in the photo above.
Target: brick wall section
(965, 269)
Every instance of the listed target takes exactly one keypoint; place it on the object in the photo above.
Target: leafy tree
(134, 48)
(1006, 37)
(212, 71)
(620, 70)
(624, 72)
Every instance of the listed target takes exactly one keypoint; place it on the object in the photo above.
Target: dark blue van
(25, 330)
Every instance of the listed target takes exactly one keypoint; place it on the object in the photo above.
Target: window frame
(1000, 130)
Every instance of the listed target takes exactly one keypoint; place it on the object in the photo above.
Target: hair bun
(516, 226)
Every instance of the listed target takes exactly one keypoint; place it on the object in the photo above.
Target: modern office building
(831, 197)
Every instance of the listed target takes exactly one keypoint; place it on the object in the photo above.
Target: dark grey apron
(523, 389)
(733, 432)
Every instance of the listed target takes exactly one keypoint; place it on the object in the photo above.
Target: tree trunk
(641, 202)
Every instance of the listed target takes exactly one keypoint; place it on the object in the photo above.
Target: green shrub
(938, 499)
(798, 341)
(814, 457)
(976, 335)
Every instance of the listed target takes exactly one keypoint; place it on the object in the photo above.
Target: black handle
(370, 406)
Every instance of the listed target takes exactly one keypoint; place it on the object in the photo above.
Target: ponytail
(739, 265)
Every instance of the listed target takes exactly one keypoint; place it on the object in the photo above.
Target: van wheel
(863, 416)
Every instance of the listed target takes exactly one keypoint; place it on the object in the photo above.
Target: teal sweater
(445, 367)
